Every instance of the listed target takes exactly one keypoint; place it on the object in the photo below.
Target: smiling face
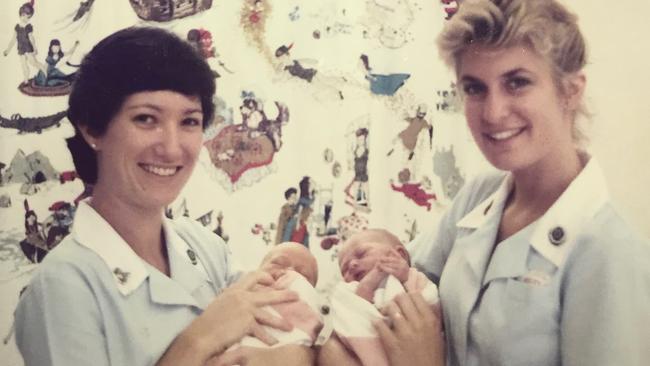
(149, 149)
(291, 256)
(363, 251)
(514, 109)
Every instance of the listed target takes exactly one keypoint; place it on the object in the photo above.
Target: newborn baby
(292, 267)
(375, 267)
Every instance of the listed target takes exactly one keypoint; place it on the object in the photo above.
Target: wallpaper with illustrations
(332, 116)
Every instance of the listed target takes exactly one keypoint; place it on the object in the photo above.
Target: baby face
(291, 256)
(360, 256)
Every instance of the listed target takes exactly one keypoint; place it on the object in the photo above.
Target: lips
(505, 134)
(160, 170)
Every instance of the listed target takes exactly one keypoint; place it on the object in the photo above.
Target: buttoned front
(94, 301)
(571, 288)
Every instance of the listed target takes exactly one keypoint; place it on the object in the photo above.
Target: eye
(516, 83)
(473, 88)
(145, 119)
(191, 122)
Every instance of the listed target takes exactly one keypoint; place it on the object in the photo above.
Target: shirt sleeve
(58, 321)
(605, 311)
(29, 29)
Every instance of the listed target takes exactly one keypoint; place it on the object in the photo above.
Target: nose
(169, 146)
(495, 107)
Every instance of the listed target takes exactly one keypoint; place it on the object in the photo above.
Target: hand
(238, 312)
(396, 266)
(416, 337)
(370, 282)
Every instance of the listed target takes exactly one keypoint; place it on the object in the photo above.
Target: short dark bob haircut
(129, 61)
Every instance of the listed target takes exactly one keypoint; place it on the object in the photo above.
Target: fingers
(406, 306)
(250, 280)
(263, 317)
(260, 333)
(393, 312)
(386, 335)
(273, 297)
(229, 358)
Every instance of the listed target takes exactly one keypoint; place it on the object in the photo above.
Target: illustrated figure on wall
(382, 84)
(54, 76)
(444, 166)
(287, 218)
(254, 121)
(414, 191)
(2, 166)
(24, 39)
(166, 10)
(293, 67)
(264, 231)
(33, 246)
(32, 124)
(410, 135)
(201, 39)
(306, 199)
(356, 192)
(219, 230)
(326, 87)
(450, 7)
(449, 100)
(247, 148)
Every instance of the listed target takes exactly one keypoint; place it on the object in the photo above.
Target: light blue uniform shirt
(93, 301)
(571, 288)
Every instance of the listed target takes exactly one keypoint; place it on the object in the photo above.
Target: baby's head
(291, 256)
(363, 250)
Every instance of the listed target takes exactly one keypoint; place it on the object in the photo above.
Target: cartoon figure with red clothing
(413, 191)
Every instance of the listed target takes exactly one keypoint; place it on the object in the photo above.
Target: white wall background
(616, 94)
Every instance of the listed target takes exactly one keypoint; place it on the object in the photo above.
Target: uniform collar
(490, 206)
(128, 269)
(557, 230)
(554, 233)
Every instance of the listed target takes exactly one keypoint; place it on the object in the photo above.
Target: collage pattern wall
(332, 116)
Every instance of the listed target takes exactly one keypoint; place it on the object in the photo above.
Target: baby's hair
(379, 236)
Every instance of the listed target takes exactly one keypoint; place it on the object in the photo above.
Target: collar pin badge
(192, 255)
(121, 276)
(556, 236)
(487, 209)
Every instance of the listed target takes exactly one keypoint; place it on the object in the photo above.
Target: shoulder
(69, 273)
(197, 235)
(608, 244)
(476, 191)
(70, 262)
(213, 251)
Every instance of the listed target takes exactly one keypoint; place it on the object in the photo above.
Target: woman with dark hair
(128, 286)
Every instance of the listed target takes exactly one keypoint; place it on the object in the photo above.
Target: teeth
(157, 170)
(505, 134)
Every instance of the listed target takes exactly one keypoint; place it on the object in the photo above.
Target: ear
(89, 138)
(574, 87)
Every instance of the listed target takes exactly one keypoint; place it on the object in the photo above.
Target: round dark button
(192, 255)
(325, 309)
(556, 236)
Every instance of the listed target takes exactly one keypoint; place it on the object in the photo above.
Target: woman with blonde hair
(535, 267)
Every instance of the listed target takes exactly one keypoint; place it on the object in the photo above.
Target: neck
(140, 227)
(536, 188)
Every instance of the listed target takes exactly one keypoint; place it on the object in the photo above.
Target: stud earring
(94, 146)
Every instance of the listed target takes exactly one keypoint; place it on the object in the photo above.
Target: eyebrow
(505, 75)
(159, 109)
